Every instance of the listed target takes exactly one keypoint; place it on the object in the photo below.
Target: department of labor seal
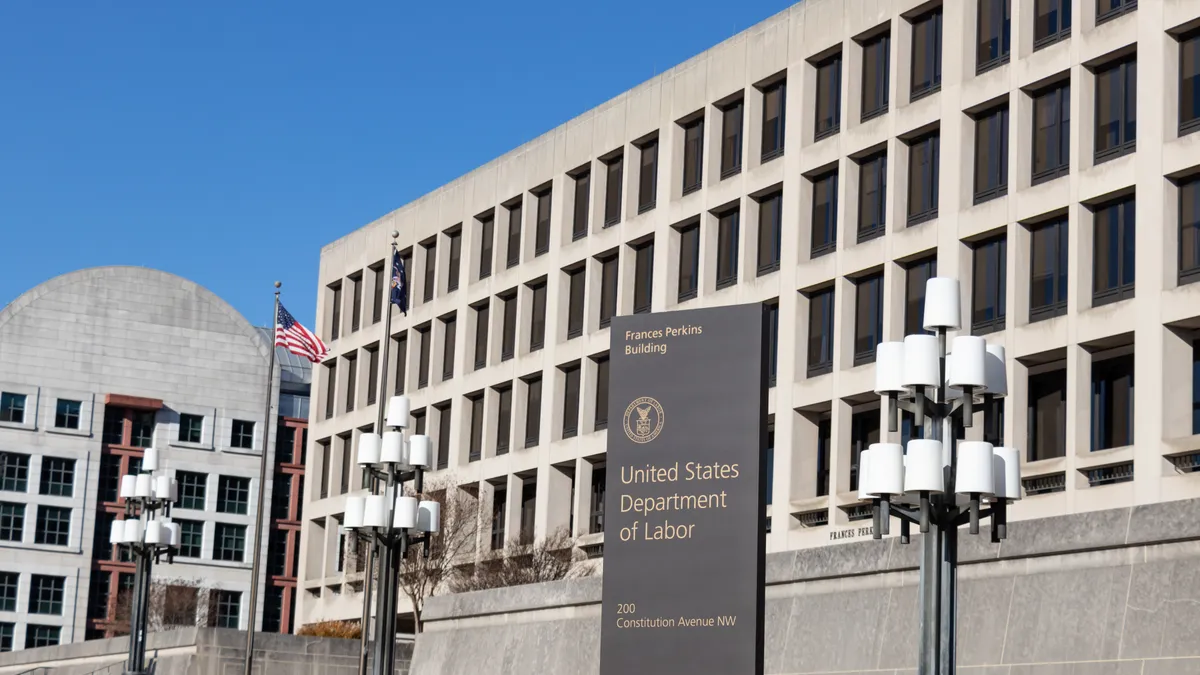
(644, 420)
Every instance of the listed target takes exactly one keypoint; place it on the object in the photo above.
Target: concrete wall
(201, 651)
(1109, 592)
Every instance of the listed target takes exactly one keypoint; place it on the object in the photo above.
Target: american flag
(297, 339)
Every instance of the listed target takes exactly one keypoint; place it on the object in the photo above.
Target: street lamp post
(395, 522)
(146, 533)
(939, 483)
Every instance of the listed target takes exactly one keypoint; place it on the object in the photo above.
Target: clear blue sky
(226, 142)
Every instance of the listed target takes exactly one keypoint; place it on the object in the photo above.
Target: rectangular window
(423, 362)
(915, 277)
(770, 231)
(277, 551)
(927, 54)
(285, 444)
(537, 319)
(1116, 110)
(693, 155)
(191, 428)
(191, 490)
(401, 357)
(643, 278)
(648, 177)
(7, 629)
(326, 465)
(923, 176)
(1112, 403)
(487, 237)
(576, 281)
(824, 214)
(330, 387)
(541, 232)
(608, 290)
(503, 419)
(66, 414)
(989, 283)
(335, 319)
(476, 448)
(599, 487)
(450, 335)
(570, 401)
(731, 140)
(583, 188)
(994, 30)
(46, 594)
(58, 477)
(230, 542)
(110, 477)
(430, 270)
(533, 411)
(41, 636)
(191, 538)
(141, 434)
(774, 110)
(1113, 262)
(864, 430)
(12, 521)
(228, 609)
(242, 433)
(443, 439)
(728, 238)
(512, 250)
(1189, 231)
(689, 262)
(601, 421)
(824, 443)
(281, 493)
(528, 504)
(233, 494)
(455, 263)
(372, 374)
(872, 197)
(1189, 84)
(876, 77)
(991, 154)
(508, 333)
(612, 191)
(8, 591)
(773, 342)
(499, 504)
(1051, 133)
(272, 609)
(1052, 22)
(12, 408)
(381, 280)
(53, 526)
(355, 301)
(14, 471)
(820, 332)
(1111, 9)
(829, 96)
(482, 314)
(1196, 387)
(1048, 271)
(868, 317)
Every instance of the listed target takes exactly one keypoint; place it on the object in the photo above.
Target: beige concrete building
(825, 161)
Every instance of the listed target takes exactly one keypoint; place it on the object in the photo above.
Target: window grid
(191, 538)
(191, 490)
(58, 477)
(242, 435)
(46, 594)
(8, 591)
(230, 542)
(191, 428)
(228, 606)
(233, 494)
(53, 526)
(12, 521)
(66, 414)
(41, 636)
(14, 471)
(12, 407)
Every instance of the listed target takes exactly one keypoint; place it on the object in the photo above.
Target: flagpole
(262, 491)
(380, 409)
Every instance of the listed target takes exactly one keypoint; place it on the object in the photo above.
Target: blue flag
(399, 284)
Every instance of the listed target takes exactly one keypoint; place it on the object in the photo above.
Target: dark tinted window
(443, 439)
(1189, 230)
(693, 155)
(608, 290)
(482, 318)
(612, 192)
(476, 447)
(508, 335)
(537, 325)
(824, 213)
(876, 76)
(576, 287)
(689, 262)
(994, 34)
(728, 227)
(991, 154)
(1048, 414)
(533, 411)
(503, 419)
(602, 392)
(1048, 271)
(770, 231)
(872, 197)
(820, 332)
(570, 401)
(868, 317)
(829, 96)
(455, 260)
(1189, 84)
(648, 177)
(1051, 133)
(541, 234)
(927, 54)
(1112, 402)
(1113, 264)
(774, 108)
(643, 278)
(579, 220)
(1116, 110)
(423, 362)
(772, 319)
(513, 247)
(989, 281)
(430, 271)
(923, 176)
(914, 294)
(1052, 21)
(731, 140)
(1111, 9)
(450, 328)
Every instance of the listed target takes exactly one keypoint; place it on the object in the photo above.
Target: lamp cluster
(390, 457)
(919, 375)
(148, 499)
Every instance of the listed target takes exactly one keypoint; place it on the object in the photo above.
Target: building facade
(801, 164)
(96, 366)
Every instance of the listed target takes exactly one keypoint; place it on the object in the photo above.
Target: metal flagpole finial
(278, 284)
(395, 235)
